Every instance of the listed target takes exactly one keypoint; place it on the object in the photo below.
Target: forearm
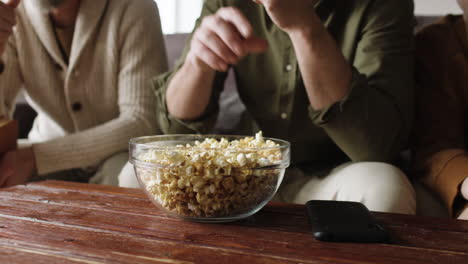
(357, 125)
(189, 91)
(90, 147)
(326, 73)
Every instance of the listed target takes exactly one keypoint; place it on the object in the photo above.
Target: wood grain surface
(61, 222)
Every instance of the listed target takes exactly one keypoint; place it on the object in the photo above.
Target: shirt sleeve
(140, 28)
(11, 79)
(439, 153)
(204, 124)
(373, 122)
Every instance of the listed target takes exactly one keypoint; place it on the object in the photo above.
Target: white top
(90, 108)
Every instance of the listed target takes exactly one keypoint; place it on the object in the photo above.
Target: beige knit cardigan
(90, 108)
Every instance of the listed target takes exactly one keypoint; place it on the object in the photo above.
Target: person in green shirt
(333, 77)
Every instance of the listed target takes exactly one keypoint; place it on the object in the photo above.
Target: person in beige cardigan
(85, 66)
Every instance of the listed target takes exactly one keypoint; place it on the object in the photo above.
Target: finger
(207, 56)
(8, 20)
(4, 36)
(7, 13)
(13, 3)
(236, 18)
(4, 40)
(6, 28)
(13, 180)
(227, 33)
(5, 23)
(212, 41)
(5, 174)
(256, 45)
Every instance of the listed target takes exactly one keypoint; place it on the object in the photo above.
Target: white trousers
(379, 186)
(110, 169)
(127, 177)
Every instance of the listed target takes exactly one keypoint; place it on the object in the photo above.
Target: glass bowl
(206, 184)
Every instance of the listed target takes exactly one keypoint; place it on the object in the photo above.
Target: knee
(115, 163)
(384, 187)
(127, 177)
(109, 170)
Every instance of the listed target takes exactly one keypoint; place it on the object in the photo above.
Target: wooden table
(59, 222)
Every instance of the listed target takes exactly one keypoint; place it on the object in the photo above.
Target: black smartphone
(334, 221)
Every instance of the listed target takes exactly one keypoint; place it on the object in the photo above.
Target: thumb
(13, 3)
(256, 44)
(6, 172)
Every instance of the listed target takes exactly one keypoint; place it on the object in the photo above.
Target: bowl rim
(284, 146)
(283, 143)
(284, 164)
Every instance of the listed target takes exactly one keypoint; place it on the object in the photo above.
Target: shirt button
(77, 106)
(284, 116)
(289, 67)
(77, 73)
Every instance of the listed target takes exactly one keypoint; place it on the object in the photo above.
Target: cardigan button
(77, 106)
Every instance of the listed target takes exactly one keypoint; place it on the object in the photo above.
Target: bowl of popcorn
(210, 178)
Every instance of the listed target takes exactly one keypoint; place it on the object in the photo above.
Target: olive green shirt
(371, 124)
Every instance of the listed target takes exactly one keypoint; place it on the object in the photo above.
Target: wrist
(194, 64)
(312, 26)
(310, 33)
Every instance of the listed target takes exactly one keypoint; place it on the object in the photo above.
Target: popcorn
(213, 178)
(263, 162)
(241, 159)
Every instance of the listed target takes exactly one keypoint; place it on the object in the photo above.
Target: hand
(7, 21)
(17, 167)
(223, 39)
(291, 15)
(463, 4)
